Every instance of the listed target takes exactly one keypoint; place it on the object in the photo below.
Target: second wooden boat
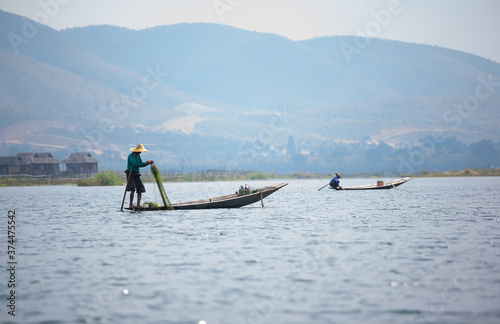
(378, 185)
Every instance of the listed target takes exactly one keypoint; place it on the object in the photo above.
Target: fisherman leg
(139, 188)
(131, 199)
(139, 195)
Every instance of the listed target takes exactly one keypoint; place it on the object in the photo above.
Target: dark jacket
(135, 162)
(335, 182)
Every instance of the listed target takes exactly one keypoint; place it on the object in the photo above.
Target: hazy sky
(468, 25)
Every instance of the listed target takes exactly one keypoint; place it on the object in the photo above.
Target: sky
(470, 26)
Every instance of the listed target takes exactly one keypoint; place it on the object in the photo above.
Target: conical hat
(139, 148)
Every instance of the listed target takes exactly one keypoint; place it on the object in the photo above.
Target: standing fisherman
(134, 183)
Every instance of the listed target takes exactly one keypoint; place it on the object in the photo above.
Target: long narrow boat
(229, 201)
(378, 185)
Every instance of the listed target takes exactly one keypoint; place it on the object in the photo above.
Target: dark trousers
(135, 182)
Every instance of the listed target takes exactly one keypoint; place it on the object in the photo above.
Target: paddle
(323, 186)
(125, 193)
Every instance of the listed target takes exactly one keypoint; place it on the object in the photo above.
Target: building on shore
(81, 163)
(44, 164)
(34, 164)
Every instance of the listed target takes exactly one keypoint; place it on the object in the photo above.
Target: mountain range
(213, 96)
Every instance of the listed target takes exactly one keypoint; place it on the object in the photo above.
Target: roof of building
(80, 157)
(35, 158)
(28, 158)
(7, 160)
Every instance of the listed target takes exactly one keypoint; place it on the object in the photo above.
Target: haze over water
(428, 251)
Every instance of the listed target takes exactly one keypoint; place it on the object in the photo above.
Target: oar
(323, 186)
(125, 193)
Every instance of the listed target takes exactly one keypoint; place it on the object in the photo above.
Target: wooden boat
(378, 185)
(229, 201)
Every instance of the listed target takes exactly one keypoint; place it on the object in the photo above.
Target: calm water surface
(428, 251)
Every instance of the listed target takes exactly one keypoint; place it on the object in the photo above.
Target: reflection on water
(428, 251)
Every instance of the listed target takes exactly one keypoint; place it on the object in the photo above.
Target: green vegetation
(103, 178)
(260, 176)
(152, 204)
(480, 172)
(32, 181)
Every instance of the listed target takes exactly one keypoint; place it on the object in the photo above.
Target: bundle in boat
(157, 175)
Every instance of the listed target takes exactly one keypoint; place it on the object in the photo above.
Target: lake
(425, 252)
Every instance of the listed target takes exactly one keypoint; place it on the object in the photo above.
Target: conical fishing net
(157, 175)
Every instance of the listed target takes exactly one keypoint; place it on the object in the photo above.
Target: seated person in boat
(134, 183)
(335, 182)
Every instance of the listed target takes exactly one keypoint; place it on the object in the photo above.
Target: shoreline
(112, 178)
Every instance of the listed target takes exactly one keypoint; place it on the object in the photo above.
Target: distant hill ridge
(221, 84)
(193, 53)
